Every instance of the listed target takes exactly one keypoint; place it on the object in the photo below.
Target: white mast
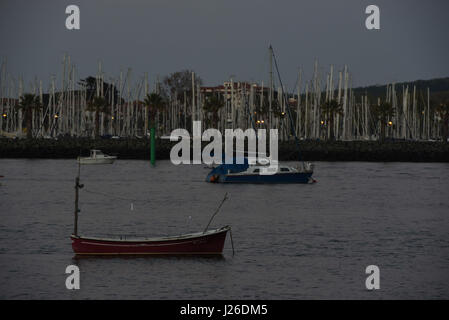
(298, 106)
(428, 114)
(19, 114)
(306, 113)
(145, 116)
(337, 118)
(345, 104)
(193, 98)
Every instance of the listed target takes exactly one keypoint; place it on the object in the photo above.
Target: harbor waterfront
(313, 150)
(218, 159)
(291, 241)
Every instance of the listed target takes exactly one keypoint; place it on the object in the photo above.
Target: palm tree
(383, 113)
(98, 105)
(28, 103)
(275, 109)
(264, 108)
(443, 111)
(91, 86)
(154, 102)
(213, 104)
(329, 110)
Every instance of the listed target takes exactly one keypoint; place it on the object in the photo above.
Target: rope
(232, 241)
(216, 211)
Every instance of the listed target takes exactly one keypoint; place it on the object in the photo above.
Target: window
(285, 170)
(256, 170)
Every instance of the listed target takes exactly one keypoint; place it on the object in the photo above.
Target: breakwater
(404, 151)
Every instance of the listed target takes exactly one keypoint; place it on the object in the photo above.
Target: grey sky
(222, 38)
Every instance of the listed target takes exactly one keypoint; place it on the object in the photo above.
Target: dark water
(292, 241)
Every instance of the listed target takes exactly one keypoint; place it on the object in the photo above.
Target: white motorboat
(97, 157)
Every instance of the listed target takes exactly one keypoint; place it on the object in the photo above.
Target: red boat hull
(211, 242)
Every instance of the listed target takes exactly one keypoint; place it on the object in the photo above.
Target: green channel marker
(153, 146)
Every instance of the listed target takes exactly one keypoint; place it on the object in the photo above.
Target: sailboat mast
(286, 104)
(77, 210)
(75, 225)
(270, 110)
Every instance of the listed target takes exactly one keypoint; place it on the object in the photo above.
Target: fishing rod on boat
(216, 211)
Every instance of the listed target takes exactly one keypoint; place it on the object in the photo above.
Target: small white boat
(97, 157)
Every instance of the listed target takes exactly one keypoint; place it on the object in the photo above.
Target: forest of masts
(324, 107)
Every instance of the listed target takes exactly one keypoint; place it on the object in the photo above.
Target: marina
(223, 158)
(326, 107)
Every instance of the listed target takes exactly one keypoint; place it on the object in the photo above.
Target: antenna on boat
(216, 211)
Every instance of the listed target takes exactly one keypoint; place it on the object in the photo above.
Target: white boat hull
(108, 160)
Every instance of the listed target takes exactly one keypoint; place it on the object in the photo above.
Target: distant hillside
(439, 88)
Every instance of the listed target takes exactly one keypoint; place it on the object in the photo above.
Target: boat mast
(287, 106)
(77, 187)
(271, 89)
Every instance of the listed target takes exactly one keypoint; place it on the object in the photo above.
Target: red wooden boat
(208, 242)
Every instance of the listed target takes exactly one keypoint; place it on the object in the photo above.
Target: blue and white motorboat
(261, 173)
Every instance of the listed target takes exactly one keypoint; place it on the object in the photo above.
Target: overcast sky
(218, 39)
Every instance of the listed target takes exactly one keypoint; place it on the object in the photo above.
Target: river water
(291, 241)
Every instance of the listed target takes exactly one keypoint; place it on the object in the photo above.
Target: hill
(439, 88)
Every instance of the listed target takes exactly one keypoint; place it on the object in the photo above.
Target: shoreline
(370, 151)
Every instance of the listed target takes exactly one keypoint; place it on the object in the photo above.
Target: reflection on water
(291, 241)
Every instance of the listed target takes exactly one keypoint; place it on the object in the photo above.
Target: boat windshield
(94, 153)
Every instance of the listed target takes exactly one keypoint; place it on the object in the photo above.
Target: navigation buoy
(152, 146)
